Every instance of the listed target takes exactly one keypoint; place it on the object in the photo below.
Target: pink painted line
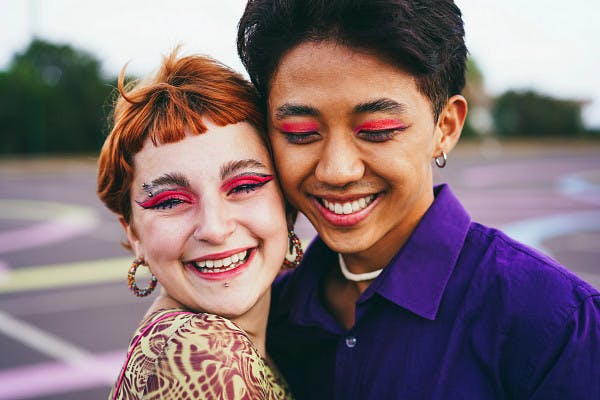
(40, 234)
(54, 378)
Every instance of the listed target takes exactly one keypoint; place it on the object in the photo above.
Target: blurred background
(528, 162)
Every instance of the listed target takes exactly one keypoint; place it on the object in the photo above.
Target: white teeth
(224, 262)
(350, 207)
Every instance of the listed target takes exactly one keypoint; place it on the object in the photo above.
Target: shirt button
(350, 341)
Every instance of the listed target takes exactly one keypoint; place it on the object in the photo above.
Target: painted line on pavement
(535, 231)
(55, 378)
(56, 222)
(64, 275)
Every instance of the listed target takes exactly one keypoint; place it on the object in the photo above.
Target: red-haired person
(187, 170)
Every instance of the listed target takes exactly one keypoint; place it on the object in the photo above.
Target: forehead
(202, 154)
(327, 73)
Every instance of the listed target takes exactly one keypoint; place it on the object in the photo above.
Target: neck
(254, 323)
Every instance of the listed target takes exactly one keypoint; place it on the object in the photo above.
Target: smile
(222, 264)
(348, 207)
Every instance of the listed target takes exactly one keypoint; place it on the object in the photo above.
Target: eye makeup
(379, 125)
(166, 199)
(299, 127)
(246, 182)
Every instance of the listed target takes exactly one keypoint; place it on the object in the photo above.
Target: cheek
(293, 165)
(264, 216)
(162, 239)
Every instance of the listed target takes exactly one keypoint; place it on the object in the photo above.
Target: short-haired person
(187, 170)
(401, 295)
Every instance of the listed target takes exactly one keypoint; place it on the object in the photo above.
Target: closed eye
(379, 135)
(300, 137)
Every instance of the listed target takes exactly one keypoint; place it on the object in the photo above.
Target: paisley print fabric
(197, 356)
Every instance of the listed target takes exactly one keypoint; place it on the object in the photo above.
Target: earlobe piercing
(441, 160)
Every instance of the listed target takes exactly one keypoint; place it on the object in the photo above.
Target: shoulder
(506, 265)
(543, 315)
(208, 356)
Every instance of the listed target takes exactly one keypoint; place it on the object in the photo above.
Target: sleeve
(208, 358)
(570, 368)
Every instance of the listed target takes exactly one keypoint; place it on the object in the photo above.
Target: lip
(229, 274)
(345, 220)
(218, 256)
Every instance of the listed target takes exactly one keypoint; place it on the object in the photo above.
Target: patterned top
(196, 356)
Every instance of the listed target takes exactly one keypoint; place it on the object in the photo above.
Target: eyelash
(165, 201)
(300, 138)
(247, 185)
(380, 135)
(369, 135)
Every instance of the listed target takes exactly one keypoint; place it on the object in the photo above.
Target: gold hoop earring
(131, 279)
(296, 245)
(441, 160)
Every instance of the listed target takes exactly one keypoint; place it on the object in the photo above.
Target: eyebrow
(174, 178)
(230, 168)
(295, 110)
(379, 105)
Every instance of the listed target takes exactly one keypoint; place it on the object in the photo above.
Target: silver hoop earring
(441, 160)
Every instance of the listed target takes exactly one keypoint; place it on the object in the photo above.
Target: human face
(353, 140)
(208, 217)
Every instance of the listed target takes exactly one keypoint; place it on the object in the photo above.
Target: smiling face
(353, 140)
(205, 211)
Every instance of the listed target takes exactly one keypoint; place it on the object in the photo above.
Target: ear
(450, 124)
(132, 238)
(291, 214)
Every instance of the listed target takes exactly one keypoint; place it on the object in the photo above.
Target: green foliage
(529, 114)
(52, 99)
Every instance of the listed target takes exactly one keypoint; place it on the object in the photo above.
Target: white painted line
(42, 341)
(56, 222)
(55, 378)
(535, 231)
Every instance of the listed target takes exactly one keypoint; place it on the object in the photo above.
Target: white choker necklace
(367, 276)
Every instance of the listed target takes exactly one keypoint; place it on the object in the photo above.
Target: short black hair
(423, 37)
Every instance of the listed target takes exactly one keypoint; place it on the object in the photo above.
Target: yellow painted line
(64, 275)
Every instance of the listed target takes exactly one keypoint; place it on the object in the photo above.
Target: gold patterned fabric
(196, 356)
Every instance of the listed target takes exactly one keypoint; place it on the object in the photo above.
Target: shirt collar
(415, 279)
(417, 276)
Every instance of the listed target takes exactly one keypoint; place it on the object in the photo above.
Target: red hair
(172, 103)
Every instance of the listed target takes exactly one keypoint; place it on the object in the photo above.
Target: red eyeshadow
(162, 196)
(299, 127)
(245, 180)
(380, 124)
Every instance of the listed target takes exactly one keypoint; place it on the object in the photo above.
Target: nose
(340, 161)
(214, 223)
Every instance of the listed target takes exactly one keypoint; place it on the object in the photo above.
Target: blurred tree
(52, 99)
(478, 121)
(530, 114)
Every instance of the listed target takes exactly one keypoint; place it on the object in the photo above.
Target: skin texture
(346, 125)
(210, 217)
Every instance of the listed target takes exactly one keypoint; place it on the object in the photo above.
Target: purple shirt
(461, 312)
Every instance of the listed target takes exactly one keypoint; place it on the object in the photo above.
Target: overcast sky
(548, 46)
